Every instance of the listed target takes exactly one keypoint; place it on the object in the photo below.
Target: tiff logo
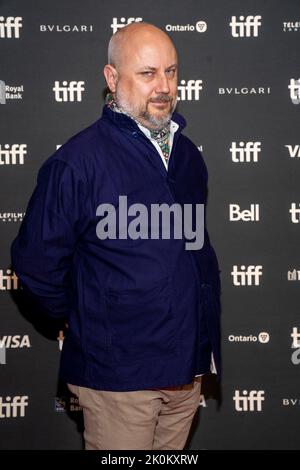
(189, 90)
(123, 22)
(248, 401)
(294, 88)
(293, 275)
(295, 213)
(68, 91)
(245, 27)
(245, 151)
(246, 215)
(10, 26)
(246, 276)
(294, 150)
(295, 358)
(12, 154)
(8, 281)
(13, 407)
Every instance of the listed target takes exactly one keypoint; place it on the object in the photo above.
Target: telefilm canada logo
(11, 216)
(10, 92)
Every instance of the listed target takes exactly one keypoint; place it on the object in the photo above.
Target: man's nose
(162, 85)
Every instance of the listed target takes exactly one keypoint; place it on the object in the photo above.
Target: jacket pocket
(141, 321)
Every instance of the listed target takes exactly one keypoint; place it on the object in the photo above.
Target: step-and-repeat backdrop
(239, 90)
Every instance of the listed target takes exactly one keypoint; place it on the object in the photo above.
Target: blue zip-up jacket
(141, 313)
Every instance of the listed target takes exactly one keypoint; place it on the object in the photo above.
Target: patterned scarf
(161, 137)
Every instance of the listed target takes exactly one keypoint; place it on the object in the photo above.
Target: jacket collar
(125, 122)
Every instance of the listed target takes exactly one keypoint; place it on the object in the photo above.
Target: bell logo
(249, 401)
(13, 407)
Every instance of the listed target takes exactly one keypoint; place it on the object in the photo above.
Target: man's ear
(111, 76)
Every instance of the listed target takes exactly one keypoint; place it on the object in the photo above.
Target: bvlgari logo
(66, 28)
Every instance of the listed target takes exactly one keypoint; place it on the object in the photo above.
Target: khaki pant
(144, 419)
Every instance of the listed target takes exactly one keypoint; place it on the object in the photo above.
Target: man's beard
(152, 122)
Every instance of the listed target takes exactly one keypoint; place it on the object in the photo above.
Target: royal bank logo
(10, 92)
(12, 154)
(245, 152)
(66, 404)
(8, 280)
(189, 90)
(13, 407)
(246, 275)
(117, 24)
(294, 150)
(262, 338)
(236, 214)
(295, 212)
(68, 91)
(10, 27)
(293, 275)
(245, 26)
(66, 28)
(200, 27)
(295, 357)
(245, 91)
(291, 26)
(294, 88)
(248, 400)
(12, 216)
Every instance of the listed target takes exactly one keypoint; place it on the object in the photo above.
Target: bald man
(114, 241)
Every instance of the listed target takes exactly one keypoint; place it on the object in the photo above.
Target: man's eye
(147, 74)
(171, 72)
